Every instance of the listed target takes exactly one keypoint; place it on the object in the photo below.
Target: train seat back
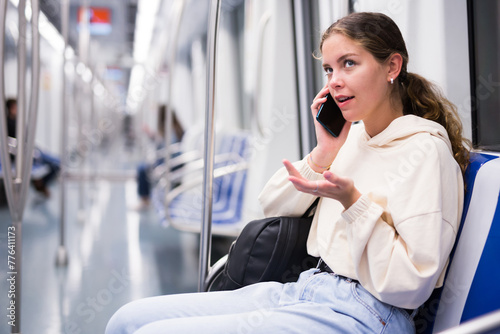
(471, 286)
(230, 174)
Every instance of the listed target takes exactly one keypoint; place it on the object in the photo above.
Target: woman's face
(358, 82)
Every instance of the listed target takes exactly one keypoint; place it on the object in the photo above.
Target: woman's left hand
(333, 186)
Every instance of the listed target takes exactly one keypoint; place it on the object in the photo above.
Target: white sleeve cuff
(358, 209)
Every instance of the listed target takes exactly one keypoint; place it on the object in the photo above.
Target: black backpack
(269, 249)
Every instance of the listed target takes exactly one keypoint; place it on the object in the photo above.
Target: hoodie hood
(405, 126)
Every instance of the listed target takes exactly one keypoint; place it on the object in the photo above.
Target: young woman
(391, 193)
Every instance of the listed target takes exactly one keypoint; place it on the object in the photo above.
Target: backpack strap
(309, 211)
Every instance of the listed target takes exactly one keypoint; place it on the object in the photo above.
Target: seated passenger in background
(40, 158)
(144, 169)
(391, 190)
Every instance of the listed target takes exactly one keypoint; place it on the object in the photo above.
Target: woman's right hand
(327, 145)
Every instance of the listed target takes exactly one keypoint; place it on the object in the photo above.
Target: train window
(484, 39)
(311, 19)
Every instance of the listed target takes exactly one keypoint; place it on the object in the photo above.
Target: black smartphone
(330, 116)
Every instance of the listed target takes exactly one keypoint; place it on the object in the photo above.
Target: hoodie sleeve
(400, 243)
(280, 198)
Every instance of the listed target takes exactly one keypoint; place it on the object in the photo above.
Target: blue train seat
(186, 200)
(471, 286)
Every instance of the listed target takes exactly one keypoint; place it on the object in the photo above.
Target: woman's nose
(335, 80)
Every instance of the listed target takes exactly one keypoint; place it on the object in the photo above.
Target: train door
(257, 95)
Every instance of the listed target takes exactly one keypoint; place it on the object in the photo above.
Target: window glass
(484, 20)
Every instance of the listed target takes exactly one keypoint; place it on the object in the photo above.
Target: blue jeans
(54, 164)
(143, 183)
(321, 303)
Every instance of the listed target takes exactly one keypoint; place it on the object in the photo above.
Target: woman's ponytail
(422, 98)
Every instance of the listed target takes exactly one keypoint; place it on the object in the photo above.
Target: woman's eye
(328, 71)
(349, 63)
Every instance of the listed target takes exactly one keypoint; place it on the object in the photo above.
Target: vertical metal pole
(33, 105)
(84, 42)
(21, 90)
(208, 170)
(12, 263)
(93, 125)
(5, 158)
(178, 11)
(257, 95)
(305, 82)
(20, 133)
(62, 254)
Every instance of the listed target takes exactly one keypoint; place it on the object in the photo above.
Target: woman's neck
(380, 121)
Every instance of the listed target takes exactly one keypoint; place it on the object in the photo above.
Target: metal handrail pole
(305, 80)
(21, 92)
(62, 254)
(34, 94)
(486, 323)
(8, 176)
(263, 24)
(18, 181)
(178, 12)
(4, 150)
(209, 144)
(83, 53)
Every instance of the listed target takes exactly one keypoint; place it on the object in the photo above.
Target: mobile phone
(330, 116)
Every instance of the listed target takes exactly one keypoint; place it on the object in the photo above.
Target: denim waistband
(324, 268)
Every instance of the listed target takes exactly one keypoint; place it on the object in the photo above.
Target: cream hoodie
(396, 239)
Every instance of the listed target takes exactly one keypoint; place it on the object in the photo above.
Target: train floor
(116, 254)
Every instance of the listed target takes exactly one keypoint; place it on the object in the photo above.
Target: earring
(392, 81)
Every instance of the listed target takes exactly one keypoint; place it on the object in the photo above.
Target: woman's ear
(394, 66)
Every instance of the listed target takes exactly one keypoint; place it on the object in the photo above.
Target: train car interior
(146, 129)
